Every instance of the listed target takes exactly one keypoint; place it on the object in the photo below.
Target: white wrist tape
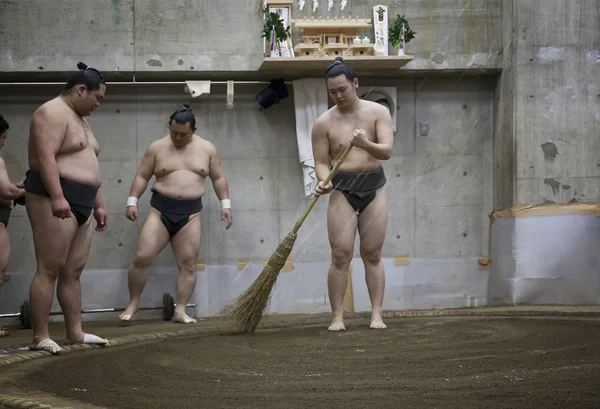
(226, 204)
(132, 201)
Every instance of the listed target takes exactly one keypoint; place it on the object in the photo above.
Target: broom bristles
(247, 310)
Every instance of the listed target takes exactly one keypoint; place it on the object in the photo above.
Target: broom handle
(313, 201)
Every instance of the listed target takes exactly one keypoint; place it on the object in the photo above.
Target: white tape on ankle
(132, 201)
(226, 204)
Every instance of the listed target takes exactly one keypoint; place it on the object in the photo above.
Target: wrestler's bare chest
(78, 138)
(340, 130)
(190, 159)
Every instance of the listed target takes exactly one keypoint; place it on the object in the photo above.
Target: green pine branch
(395, 31)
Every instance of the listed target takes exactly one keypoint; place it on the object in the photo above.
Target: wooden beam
(319, 64)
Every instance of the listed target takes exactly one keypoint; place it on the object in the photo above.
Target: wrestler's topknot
(184, 115)
(90, 77)
(3, 125)
(339, 67)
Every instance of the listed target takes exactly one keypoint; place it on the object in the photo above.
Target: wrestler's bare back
(339, 127)
(77, 155)
(180, 172)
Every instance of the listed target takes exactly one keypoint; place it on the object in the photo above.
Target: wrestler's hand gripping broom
(247, 311)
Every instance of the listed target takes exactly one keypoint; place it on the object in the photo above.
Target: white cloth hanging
(197, 88)
(310, 102)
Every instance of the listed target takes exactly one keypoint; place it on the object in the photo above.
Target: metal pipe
(120, 309)
(142, 83)
(18, 314)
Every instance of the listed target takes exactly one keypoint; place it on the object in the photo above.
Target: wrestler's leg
(341, 227)
(372, 226)
(68, 290)
(52, 238)
(186, 246)
(153, 239)
(4, 251)
(4, 257)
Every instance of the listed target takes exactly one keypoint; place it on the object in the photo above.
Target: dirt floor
(422, 362)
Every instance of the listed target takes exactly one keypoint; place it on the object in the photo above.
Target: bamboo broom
(246, 312)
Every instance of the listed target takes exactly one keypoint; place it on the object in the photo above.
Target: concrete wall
(556, 63)
(504, 113)
(439, 200)
(209, 36)
(527, 136)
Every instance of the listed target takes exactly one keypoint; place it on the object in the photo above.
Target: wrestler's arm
(47, 133)
(8, 190)
(99, 202)
(384, 147)
(320, 148)
(216, 174)
(144, 173)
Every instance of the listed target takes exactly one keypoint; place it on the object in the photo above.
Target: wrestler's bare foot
(183, 318)
(337, 324)
(46, 344)
(377, 322)
(129, 312)
(86, 339)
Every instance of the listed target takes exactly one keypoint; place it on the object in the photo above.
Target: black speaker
(272, 94)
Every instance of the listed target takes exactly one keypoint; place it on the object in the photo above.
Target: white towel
(197, 88)
(310, 102)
